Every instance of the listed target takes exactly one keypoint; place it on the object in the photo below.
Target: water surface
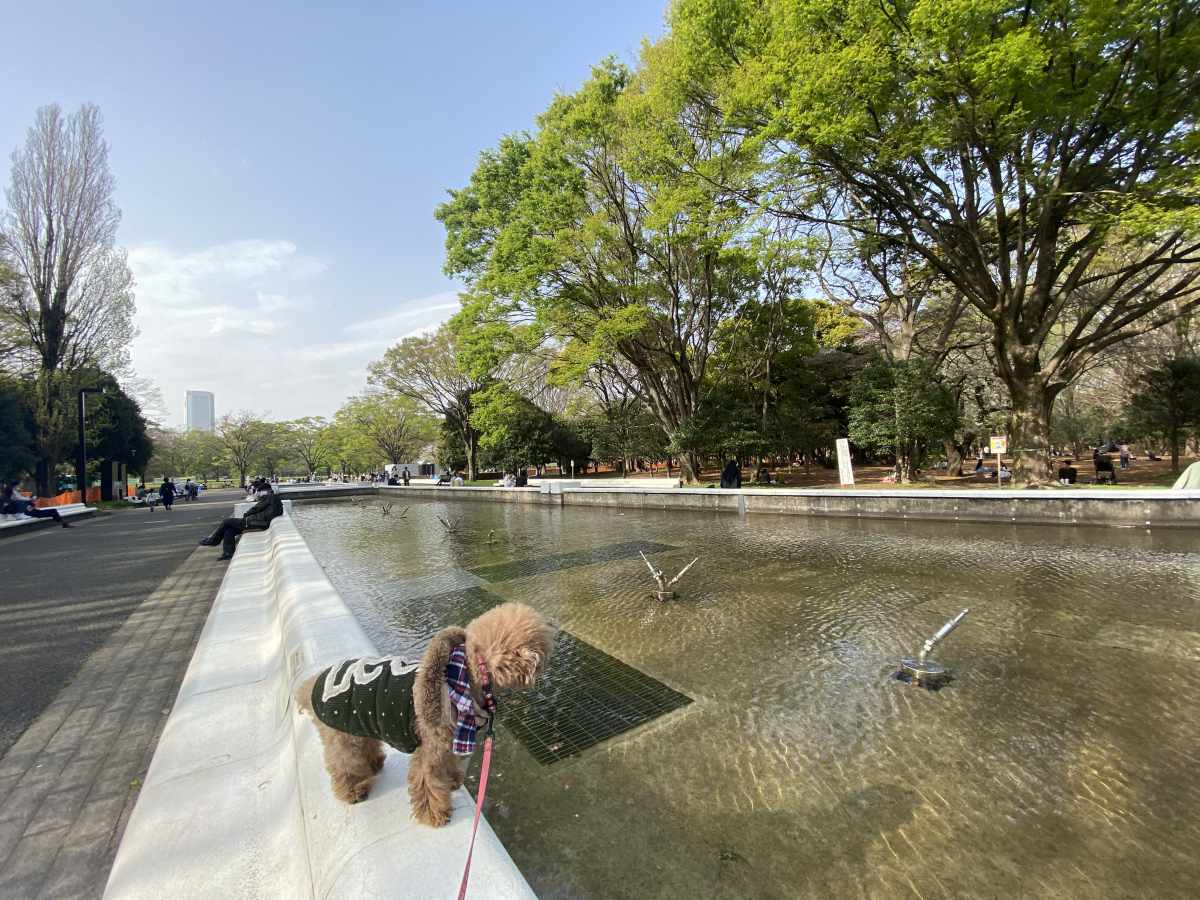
(1063, 761)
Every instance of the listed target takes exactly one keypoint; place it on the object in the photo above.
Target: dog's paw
(352, 791)
(376, 763)
(431, 816)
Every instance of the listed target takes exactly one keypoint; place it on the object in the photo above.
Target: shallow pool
(1063, 761)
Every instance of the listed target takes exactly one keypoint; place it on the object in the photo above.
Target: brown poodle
(358, 705)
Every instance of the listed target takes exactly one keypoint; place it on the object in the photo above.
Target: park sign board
(999, 444)
(845, 466)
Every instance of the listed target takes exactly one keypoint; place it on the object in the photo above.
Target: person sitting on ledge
(256, 518)
(522, 479)
(13, 504)
(444, 478)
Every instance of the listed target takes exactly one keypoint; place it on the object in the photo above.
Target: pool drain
(924, 671)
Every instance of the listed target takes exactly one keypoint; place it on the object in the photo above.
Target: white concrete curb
(237, 803)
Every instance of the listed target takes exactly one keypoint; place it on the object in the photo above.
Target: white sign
(999, 444)
(845, 467)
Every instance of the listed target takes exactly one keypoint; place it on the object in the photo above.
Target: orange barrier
(68, 497)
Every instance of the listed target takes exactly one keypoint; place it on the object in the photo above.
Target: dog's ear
(532, 656)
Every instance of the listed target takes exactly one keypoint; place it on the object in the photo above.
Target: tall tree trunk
(472, 454)
(1029, 431)
(954, 458)
(1174, 437)
(689, 464)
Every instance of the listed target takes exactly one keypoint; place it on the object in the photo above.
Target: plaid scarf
(457, 680)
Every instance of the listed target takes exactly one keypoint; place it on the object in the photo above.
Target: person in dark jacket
(731, 477)
(256, 518)
(167, 493)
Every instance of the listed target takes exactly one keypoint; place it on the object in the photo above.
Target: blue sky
(278, 165)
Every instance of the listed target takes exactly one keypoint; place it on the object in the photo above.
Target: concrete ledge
(237, 803)
(20, 524)
(1079, 506)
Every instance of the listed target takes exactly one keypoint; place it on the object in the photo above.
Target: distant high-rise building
(201, 412)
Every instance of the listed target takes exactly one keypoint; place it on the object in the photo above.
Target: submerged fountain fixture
(664, 592)
(924, 671)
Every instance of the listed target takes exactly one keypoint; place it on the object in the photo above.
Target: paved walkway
(88, 675)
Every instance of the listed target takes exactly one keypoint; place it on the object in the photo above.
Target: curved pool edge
(237, 802)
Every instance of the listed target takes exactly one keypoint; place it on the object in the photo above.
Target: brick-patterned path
(87, 678)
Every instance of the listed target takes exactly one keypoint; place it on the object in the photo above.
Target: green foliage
(1166, 403)
(441, 373)
(394, 426)
(583, 244)
(901, 409)
(1036, 157)
(118, 430)
(623, 432)
(18, 450)
(348, 448)
(515, 433)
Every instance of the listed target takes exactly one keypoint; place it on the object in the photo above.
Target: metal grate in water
(584, 697)
(524, 568)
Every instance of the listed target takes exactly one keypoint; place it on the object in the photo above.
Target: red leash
(483, 777)
(489, 703)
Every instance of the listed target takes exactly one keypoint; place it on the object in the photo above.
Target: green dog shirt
(370, 698)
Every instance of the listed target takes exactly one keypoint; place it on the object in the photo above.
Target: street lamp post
(81, 461)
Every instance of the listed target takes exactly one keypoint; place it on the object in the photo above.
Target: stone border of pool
(1080, 506)
(237, 802)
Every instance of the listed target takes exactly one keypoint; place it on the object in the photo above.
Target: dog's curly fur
(514, 642)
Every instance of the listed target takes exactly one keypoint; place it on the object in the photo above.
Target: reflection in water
(1062, 761)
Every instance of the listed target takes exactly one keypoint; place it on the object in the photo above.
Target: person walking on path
(167, 493)
(256, 518)
(405, 476)
(1124, 456)
(13, 504)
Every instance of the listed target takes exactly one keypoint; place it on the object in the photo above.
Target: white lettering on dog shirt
(362, 671)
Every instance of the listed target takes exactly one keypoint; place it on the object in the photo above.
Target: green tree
(304, 438)
(429, 372)
(115, 427)
(72, 304)
(348, 447)
(201, 453)
(1166, 401)
(397, 427)
(243, 438)
(902, 409)
(18, 450)
(578, 235)
(516, 433)
(1037, 156)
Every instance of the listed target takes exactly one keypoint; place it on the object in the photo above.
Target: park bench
(13, 524)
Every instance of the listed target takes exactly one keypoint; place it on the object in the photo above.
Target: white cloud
(250, 320)
(409, 311)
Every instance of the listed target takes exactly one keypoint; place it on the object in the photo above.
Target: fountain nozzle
(922, 670)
